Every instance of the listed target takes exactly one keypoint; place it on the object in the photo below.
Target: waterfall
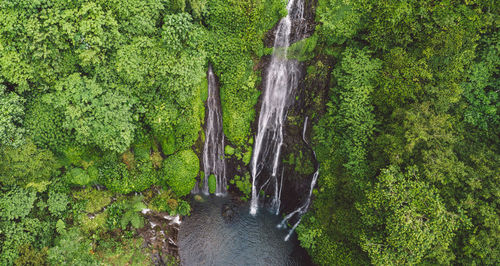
(304, 130)
(281, 80)
(213, 149)
(302, 209)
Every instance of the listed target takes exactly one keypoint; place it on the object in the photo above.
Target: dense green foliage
(234, 47)
(166, 202)
(408, 140)
(103, 99)
(11, 121)
(212, 184)
(244, 185)
(180, 170)
(111, 94)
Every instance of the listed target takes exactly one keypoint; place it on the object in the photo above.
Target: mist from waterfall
(280, 83)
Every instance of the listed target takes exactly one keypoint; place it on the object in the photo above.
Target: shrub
(123, 212)
(16, 203)
(57, 203)
(243, 184)
(95, 199)
(78, 176)
(117, 178)
(179, 172)
(71, 249)
(183, 208)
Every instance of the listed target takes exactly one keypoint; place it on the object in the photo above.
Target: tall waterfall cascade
(213, 149)
(280, 83)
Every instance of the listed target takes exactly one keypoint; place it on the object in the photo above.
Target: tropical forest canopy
(103, 98)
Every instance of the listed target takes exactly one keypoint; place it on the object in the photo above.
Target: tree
(406, 222)
(11, 118)
(354, 119)
(16, 203)
(341, 141)
(118, 178)
(57, 203)
(402, 80)
(15, 234)
(167, 73)
(72, 249)
(339, 20)
(135, 17)
(26, 165)
(44, 122)
(483, 103)
(98, 116)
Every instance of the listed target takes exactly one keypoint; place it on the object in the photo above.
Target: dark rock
(304, 27)
(160, 235)
(229, 211)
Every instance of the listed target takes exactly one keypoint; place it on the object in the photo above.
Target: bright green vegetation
(125, 252)
(110, 95)
(179, 171)
(212, 184)
(243, 154)
(243, 184)
(165, 201)
(408, 142)
(302, 164)
(100, 99)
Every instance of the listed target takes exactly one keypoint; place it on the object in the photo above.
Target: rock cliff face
(304, 30)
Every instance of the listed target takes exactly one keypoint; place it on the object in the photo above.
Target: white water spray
(281, 81)
(213, 149)
(302, 209)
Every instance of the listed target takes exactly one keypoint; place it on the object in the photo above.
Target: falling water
(281, 80)
(304, 130)
(302, 209)
(213, 150)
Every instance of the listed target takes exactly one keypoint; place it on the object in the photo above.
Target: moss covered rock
(228, 150)
(212, 184)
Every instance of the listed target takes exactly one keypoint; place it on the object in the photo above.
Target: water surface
(206, 238)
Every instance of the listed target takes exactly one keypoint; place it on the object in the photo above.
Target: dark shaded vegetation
(409, 138)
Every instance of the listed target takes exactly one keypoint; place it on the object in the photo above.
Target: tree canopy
(101, 100)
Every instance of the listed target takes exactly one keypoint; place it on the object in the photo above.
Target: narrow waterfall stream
(280, 83)
(213, 149)
(302, 209)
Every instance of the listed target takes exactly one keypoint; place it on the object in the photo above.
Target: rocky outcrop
(229, 211)
(160, 235)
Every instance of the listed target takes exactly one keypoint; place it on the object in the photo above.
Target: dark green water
(206, 238)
